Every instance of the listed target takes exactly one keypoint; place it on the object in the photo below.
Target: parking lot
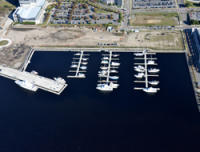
(154, 4)
(73, 12)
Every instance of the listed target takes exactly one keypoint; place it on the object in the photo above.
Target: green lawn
(3, 42)
(150, 19)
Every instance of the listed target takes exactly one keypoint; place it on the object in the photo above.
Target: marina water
(83, 119)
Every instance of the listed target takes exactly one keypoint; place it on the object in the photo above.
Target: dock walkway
(43, 83)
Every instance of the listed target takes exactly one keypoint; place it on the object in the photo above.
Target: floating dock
(42, 83)
(78, 72)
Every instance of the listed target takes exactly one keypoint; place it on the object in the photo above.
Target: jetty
(41, 82)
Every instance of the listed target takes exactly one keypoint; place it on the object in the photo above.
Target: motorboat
(105, 58)
(104, 62)
(150, 62)
(77, 54)
(153, 70)
(60, 80)
(27, 85)
(154, 82)
(103, 68)
(114, 85)
(83, 67)
(139, 75)
(74, 66)
(138, 54)
(139, 67)
(115, 55)
(114, 77)
(113, 71)
(139, 70)
(115, 64)
(84, 63)
(84, 59)
(34, 72)
(150, 90)
(81, 75)
(104, 87)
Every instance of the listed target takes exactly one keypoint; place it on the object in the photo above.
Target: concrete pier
(43, 83)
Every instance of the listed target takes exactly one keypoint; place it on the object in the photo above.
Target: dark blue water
(82, 119)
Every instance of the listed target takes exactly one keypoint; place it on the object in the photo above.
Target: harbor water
(83, 119)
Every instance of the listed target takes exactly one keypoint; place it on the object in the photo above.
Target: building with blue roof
(29, 12)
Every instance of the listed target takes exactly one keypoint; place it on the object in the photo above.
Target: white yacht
(83, 67)
(138, 54)
(154, 82)
(34, 72)
(113, 71)
(115, 64)
(114, 85)
(103, 68)
(26, 85)
(104, 87)
(150, 62)
(74, 66)
(77, 54)
(84, 59)
(139, 67)
(150, 90)
(153, 70)
(104, 62)
(84, 63)
(115, 55)
(105, 58)
(60, 80)
(139, 75)
(114, 77)
(139, 70)
(81, 75)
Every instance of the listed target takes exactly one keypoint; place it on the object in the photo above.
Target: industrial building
(30, 11)
(117, 2)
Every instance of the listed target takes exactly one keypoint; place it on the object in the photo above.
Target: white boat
(83, 67)
(150, 62)
(104, 62)
(115, 55)
(139, 75)
(153, 70)
(114, 85)
(114, 77)
(150, 90)
(60, 80)
(103, 68)
(105, 58)
(138, 54)
(74, 66)
(84, 59)
(139, 70)
(139, 67)
(34, 72)
(154, 82)
(104, 87)
(113, 71)
(26, 85)
(77, 54)
(115, 64)
(81, 75)
(84, 63)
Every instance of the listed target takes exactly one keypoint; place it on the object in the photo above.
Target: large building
(117, 2)
(30, 11)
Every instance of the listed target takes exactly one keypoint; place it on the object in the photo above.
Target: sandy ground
(65, 36)
(14, 56)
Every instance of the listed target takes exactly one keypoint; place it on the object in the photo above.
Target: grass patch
(151, 19)
(5, 7)
(3, 42)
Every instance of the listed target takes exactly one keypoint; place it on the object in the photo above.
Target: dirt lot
(14, 56)
(150, 19)
(65, 36)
